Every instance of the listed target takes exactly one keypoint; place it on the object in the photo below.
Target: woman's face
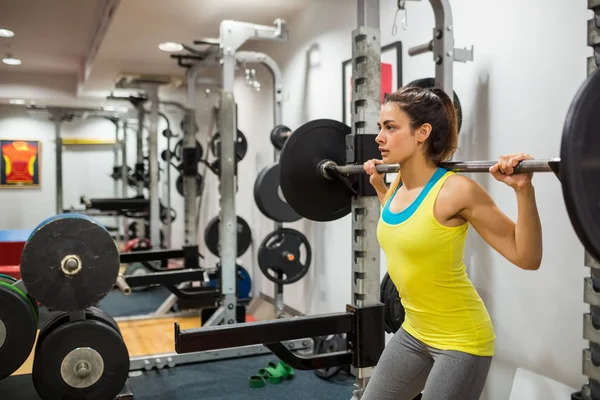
(396, 141)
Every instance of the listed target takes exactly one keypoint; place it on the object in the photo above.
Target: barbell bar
(525, 166)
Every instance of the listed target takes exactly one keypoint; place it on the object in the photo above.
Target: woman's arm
(519, 243)
(376, 179)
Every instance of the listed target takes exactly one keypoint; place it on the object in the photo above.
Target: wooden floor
(142, 337)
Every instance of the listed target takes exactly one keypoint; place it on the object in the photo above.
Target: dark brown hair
(433, 106)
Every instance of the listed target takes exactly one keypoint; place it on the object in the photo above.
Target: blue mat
(15, 235)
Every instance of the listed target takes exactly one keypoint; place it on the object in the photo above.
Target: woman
(446, 343)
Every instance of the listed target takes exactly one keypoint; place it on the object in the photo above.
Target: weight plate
(178, 150)
(244, 283)
(393, 310)
(279, 256)
(268, 196)
(429, 83)
(329, 344)
(241, 145)
(69, 262)
(81, 359)
(199, 184)
(211, 236)
(579, 167)
(279, 135)
(137, 269)
(306, 191)
(18, 328)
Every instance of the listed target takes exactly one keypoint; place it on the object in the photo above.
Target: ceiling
(73, 51)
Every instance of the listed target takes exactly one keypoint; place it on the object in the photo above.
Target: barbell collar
(525, 166)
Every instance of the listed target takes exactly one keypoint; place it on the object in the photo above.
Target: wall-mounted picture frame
(391, 77)
(20, 164)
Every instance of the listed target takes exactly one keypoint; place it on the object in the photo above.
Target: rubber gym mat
(222, 380)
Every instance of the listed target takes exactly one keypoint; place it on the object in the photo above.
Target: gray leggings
(408, 367)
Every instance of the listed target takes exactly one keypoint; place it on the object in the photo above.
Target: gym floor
(225, 379)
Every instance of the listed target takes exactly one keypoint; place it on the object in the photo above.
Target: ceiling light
(170, 46)
(17, 101)
(10, 60)
(6, 33)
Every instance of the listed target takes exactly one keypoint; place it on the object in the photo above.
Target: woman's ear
(423, 132)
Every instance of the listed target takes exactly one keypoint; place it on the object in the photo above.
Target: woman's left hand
(503, 170)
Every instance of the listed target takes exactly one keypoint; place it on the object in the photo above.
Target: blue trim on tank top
(393, 218)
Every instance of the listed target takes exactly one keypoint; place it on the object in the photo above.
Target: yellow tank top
(425, 262)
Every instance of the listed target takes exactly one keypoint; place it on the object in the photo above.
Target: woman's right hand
(375, 178)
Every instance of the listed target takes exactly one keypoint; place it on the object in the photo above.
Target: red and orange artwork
(20, 163)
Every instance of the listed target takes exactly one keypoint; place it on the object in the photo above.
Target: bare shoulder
(462, 192)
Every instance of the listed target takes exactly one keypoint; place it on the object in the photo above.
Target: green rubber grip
(256, 382)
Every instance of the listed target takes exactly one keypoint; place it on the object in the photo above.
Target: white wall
(515, 95)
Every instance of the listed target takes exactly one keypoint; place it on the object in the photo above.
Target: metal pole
(366, 46)
(139, 164)
(228, 220)
(189, 141)
(124, 177)
(443, 46)
(58, 119)
(155, 221)
(116, 149)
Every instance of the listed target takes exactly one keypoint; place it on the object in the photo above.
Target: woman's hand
(375, 178)
(503, 170)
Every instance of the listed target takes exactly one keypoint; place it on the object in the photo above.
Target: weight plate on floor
(579, 166)
(393, 309)
(268, 196)
(211, 236)
(137, 269)
(279, 256)
(306, 191)
(329, 344)
(18, 328)
(69, 262)
(279, 135)
(81, 359)
(429, 83)
(199, 184)
(241, 146)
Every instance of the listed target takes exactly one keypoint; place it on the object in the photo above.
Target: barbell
(319, 185)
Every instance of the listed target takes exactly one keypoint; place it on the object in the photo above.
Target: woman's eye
(389, 127)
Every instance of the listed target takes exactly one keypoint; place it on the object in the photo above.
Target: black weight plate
(47, 378)
(429, 83)
(62, 237)
(306, 191)
(18, 328)
(330, 344)
(211, 236)
(580, 166)
(199, 184)
(279, 253)
(241, 145)
(268, 197)
(393, 311)
(279, 135)
(92, 313)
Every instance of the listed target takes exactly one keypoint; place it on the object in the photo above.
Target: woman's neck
(416, 172)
